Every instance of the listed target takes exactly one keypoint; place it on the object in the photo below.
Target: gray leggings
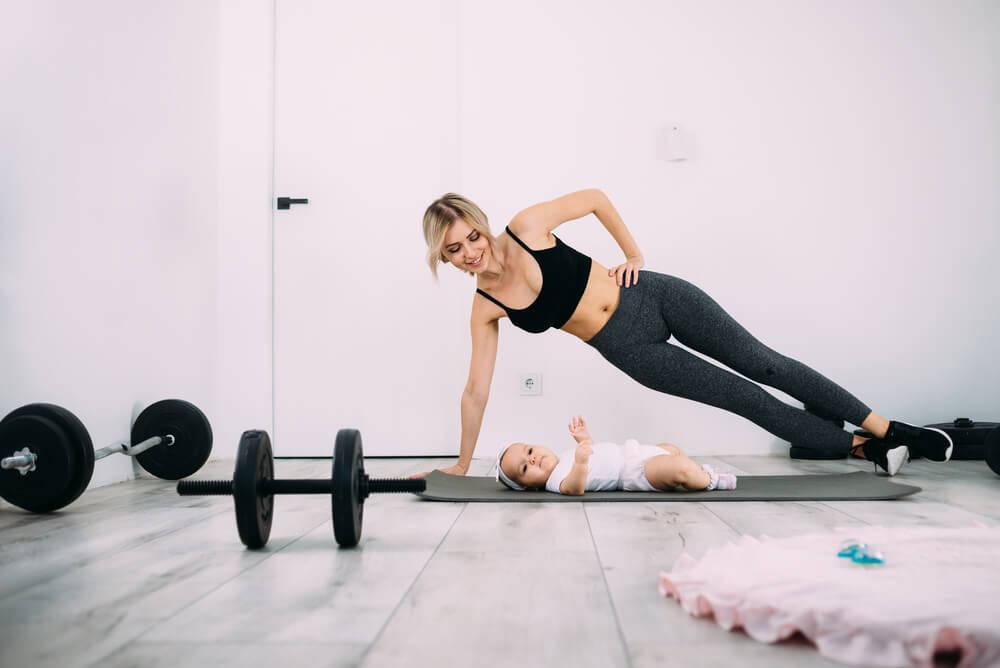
(658, 306)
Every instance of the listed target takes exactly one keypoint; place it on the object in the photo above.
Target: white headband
(501, 476)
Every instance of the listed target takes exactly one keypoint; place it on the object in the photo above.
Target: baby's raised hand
(578, 428)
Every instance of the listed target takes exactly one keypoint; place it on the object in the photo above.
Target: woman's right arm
(485, 335)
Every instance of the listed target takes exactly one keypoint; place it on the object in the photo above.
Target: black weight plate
(347, 504)
(190, 429)
(81, 462)
(993, 450)
(48, 486)
(968, 437)
(254, 469)
(802, 452)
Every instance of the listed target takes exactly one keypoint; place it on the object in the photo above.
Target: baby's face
(528, 465)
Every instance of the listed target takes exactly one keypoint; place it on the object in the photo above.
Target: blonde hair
(440, 215)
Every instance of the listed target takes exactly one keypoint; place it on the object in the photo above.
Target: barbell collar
(393, 485)
(23, 461)
(205, 487)
(152, 442)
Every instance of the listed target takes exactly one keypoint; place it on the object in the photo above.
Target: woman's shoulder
(540, 219)
(532, 233)
(484, 310)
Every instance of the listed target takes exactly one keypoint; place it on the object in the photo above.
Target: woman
(627, 315)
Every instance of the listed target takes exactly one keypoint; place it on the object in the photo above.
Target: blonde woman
(528, 275)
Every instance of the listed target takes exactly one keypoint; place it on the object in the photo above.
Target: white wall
(840, 201)
(108, 202)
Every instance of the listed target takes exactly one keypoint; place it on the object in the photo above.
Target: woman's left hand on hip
(627, 274)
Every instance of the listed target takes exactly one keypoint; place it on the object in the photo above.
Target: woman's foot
(889, 457)
(927, 442)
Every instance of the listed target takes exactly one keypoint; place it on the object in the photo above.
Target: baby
(595, 467)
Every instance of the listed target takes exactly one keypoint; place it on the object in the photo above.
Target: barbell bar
(253, 488)
(24, 460)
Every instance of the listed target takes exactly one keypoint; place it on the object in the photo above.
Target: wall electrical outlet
(531, 384)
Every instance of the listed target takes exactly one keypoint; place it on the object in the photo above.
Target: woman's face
(466, 248)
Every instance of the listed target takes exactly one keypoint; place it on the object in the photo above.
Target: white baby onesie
(605, 468)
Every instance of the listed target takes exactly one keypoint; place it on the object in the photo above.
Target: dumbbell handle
(374, 486)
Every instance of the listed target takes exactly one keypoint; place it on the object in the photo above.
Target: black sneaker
(928, 442)
(885, 455)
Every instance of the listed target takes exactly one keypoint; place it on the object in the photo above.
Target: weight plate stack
(968, 436)
(254, 505)
(65, 457)
(993, 450)
(348, 497)
(192, 438)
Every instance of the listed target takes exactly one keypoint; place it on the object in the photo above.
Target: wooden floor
(134, 575)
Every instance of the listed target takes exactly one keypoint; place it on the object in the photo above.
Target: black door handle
(287, 202)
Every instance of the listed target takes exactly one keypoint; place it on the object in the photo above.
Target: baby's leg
(675, 470)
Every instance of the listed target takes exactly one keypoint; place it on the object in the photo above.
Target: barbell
(48, 456)
(253, 488)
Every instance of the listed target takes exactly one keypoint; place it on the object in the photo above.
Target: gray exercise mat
(856, 486)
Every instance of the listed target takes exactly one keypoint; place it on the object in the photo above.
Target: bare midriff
(597, 305)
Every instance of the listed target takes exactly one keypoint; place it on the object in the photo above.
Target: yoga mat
(858, 486)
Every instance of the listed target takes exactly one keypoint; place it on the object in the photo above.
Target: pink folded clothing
(937, 590)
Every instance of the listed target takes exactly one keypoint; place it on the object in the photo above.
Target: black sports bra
(565, 273)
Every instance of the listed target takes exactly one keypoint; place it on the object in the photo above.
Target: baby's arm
(575, 484)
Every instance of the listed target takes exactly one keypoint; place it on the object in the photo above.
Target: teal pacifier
(860, 553)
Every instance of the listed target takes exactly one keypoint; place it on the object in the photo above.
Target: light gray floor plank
(506, 596)
(541, 607)
(632, 560)
(91, 611)
(244, 655)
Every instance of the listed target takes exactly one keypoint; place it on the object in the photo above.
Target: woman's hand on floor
(457, 469)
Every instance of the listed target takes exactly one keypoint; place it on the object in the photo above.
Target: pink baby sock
(719, 479)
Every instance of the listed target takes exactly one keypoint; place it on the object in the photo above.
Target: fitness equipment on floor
(993, 450)
(253, 487)
(968, 436)
(986, 440)
(48, 456)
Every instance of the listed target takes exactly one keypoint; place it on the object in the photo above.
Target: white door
(366, 126)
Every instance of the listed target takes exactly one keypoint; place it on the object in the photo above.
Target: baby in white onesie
(594, 467)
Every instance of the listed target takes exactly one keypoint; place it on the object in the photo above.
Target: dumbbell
(48, 456)
(253, 487)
